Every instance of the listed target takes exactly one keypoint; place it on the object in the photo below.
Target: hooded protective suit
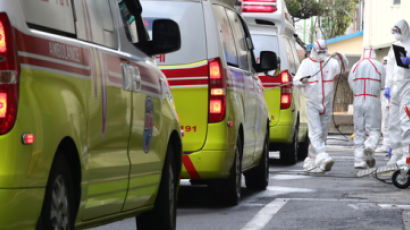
(385, 116)
(398, 83)
(366, 80)
(318, 91)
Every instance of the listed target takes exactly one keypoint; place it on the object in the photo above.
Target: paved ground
(296, 200)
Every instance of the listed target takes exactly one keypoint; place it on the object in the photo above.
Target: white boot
(359, 164)
(308, 164)
(382, 149)
(324, 162)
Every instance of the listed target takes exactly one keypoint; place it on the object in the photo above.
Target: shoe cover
(324, 162)
(360, 165)
(382, 149)
(308, 164)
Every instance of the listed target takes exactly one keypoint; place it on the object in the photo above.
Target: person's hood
(369, 53)
(405, 31)
(319, 45)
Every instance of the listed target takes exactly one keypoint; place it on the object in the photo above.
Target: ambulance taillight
(217, 92)
(286, 90)
(259, 6)
(9, 71)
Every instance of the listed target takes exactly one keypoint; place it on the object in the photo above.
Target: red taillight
(9, 70)
(217, 94)
(286, 90)
(259, 6)
(28, 139)
(259, 9)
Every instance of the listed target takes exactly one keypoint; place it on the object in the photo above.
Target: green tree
(335, 15)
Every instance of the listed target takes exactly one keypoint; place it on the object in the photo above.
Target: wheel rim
(59, 210)
(171, 194)
(401, 179)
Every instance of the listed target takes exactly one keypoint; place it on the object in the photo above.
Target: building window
(396, 2)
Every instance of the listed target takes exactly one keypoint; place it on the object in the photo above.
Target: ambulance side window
(101, 23)
(241, 48)
(226, 34)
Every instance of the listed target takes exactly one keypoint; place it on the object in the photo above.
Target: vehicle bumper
(20, 208)
(207, 164)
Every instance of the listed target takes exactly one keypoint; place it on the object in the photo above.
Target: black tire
(303, 149)
(58, 213)
(289, 152)
(399, 181)
(258, 177)
(231, 187)
(163, 216)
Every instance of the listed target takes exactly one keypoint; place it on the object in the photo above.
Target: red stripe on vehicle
(186, 72)
(191, 82)
(190, 168)
(56, 66)
(52, 49)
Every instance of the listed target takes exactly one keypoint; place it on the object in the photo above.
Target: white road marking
(283, 190)
(289, 177)
(262, 218)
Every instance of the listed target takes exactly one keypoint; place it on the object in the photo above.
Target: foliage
(335, 15)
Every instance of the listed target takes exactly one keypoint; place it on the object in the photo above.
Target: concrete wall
(379, 18)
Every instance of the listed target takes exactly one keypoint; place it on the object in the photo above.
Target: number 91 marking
(189, 128)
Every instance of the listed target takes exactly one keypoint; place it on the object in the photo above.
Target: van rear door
(187, 68)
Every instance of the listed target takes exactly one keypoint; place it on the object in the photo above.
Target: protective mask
(397, 36)
(321, 56)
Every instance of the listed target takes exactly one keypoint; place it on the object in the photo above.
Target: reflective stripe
(190, 168)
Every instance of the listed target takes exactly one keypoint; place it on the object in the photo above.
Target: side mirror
(165, 37)
(268, 61)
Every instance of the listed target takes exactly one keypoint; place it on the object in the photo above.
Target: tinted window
(226, 35)
(240, 41)
(129, 23)
(289, 55)
(102, 26)
(264, 42)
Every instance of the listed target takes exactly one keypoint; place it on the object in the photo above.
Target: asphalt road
(297, 200)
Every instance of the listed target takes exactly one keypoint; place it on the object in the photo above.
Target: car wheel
(231, 187)
(400, 180)
(258, 177)
(58, 208)
(163, 216)
(289, 153)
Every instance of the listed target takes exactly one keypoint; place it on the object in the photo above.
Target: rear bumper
(207, 164)
(281, 132)
(20, 208)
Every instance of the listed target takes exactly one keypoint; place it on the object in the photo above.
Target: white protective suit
(366, 79)
(385, 116)
(319, 92)
(399, 84)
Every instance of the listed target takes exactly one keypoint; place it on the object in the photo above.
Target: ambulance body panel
(209, 147)
(86, 92)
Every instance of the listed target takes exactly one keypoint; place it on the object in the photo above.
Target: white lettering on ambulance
(65, 52)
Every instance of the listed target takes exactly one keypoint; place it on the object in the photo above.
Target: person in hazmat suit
(385, 146)
(316, 76)
(366, 79)
(398, 91)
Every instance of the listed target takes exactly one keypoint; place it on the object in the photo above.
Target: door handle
(131, 77)
(136, 77)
